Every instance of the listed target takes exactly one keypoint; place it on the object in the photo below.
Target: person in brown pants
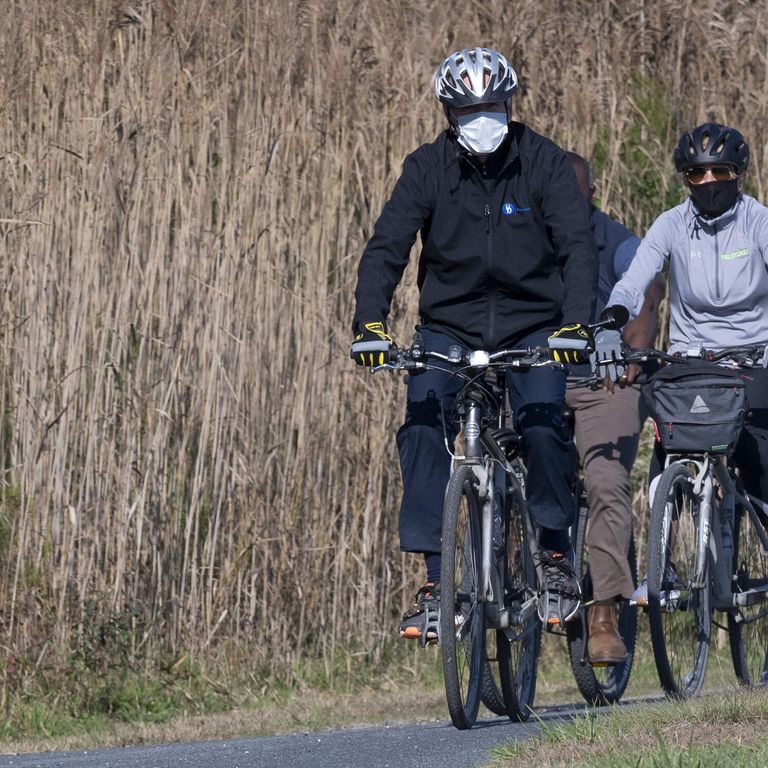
(607, 432)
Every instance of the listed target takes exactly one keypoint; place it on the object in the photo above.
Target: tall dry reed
(187, 186)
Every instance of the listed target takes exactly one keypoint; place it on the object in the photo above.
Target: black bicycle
(599, 685)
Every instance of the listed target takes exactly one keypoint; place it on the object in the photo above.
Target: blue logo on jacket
(510, 209)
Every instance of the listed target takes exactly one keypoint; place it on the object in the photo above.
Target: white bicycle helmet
(461, 81)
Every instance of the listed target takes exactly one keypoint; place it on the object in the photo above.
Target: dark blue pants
(537, 399)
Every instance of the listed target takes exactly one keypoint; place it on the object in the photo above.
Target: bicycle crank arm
(519, 616)
(751, 596)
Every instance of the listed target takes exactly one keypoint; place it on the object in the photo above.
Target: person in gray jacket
(716, 246)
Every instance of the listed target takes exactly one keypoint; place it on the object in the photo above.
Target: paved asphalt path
(394, 746)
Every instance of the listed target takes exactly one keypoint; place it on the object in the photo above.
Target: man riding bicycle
(507, 257)
(607, 427)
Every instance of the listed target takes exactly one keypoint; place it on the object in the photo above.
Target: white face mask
(482, 132)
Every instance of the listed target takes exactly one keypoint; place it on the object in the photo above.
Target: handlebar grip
(556, 342)
(370, 346)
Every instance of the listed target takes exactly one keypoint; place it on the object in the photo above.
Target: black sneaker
(420, 621)
(560, 595)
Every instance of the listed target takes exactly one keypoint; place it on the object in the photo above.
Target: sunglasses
(698, 173)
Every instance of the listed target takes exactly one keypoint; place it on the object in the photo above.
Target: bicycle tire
(598, 685)
(491, 694)
(462, 615)
(518, 648)
(679, 612)
(748, 625)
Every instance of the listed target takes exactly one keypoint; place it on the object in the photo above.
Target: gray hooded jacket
(718, 275)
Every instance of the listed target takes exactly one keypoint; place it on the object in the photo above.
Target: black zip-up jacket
(501, 257)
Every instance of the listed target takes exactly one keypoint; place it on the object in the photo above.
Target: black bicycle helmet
(712, 143)
(475, 76)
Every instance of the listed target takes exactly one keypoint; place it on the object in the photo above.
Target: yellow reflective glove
(570, 344)
(371, 345)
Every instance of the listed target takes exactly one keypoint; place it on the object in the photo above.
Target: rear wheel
(748, 624)
(678, 606)
(518, 646)
(462, 615)
(490, 691)
(598, 685)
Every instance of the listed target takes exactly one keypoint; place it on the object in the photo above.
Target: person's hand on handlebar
(570, 344)
(609, 349)
(607, 358)
(371, 345)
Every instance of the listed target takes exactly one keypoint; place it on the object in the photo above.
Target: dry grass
(186, 188)
(320, 711)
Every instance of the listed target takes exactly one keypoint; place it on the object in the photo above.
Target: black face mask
(715, 198)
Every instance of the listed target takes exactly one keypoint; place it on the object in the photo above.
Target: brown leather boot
(605, 644)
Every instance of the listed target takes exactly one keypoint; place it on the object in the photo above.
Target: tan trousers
(607, 435)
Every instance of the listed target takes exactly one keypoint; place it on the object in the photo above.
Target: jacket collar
(696, 222)
(722, 220)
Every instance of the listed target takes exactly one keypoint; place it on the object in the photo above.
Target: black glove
(371, 345)
(570, 344)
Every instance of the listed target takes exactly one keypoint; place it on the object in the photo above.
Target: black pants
(537, 398)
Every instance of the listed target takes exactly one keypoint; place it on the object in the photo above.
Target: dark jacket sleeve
(566, 214)
(386, 254)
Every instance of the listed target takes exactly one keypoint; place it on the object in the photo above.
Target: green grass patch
(102, 686)
(722, 726)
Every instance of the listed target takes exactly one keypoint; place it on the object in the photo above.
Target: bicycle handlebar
(416, 357)
(743, 356)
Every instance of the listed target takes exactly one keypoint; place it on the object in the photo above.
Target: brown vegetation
(189, 456)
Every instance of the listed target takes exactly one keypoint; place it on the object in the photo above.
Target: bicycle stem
(472, 450)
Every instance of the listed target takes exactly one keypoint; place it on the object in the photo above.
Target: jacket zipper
(491, 291)
(717, 264)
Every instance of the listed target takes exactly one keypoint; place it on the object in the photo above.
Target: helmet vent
(720, 145)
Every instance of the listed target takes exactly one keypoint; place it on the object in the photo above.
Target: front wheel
(598, 685)
(748, 623)
(462, 613)
(678, 604)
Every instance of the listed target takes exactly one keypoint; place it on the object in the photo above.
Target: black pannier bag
(698, 407)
